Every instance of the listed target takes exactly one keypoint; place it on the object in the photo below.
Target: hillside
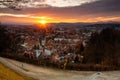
(44, 73)
(8, 74)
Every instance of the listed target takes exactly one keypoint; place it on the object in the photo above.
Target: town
(51, 45)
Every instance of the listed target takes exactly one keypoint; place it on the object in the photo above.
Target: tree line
(104, 48)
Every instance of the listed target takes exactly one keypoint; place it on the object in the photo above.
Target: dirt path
(51, 74)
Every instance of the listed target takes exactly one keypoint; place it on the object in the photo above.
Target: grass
(8, 74)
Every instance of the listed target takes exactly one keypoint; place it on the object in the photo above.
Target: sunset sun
(43, 22)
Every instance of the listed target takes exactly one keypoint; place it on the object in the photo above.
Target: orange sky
(36, 19)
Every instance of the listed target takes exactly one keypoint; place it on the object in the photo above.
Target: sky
(56, 11)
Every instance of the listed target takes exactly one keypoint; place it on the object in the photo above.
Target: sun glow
(43, 22)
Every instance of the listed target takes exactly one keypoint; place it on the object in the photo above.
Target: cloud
(23, 16)
(88, 10)
(48, 3)
(13, 15)
(67, 3)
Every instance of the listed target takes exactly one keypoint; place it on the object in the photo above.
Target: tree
(104, 48)
(5, 40)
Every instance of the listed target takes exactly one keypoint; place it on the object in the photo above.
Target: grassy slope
(8, 74)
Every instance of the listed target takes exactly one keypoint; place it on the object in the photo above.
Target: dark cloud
(102, 7)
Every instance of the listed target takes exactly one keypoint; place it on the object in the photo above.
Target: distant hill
(82, 25)
(67, 25)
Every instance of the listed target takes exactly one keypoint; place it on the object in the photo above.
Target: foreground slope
(41, 73)
(8, 74)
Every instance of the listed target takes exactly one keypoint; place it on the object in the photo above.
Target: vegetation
(5, 40)
(104, 48)
(9, 42)
(8, 74)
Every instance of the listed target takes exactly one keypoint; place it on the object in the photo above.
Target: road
(41, 73)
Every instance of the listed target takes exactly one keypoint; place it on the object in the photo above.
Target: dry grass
(8, 74)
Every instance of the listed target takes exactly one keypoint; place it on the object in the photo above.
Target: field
(8, 74)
